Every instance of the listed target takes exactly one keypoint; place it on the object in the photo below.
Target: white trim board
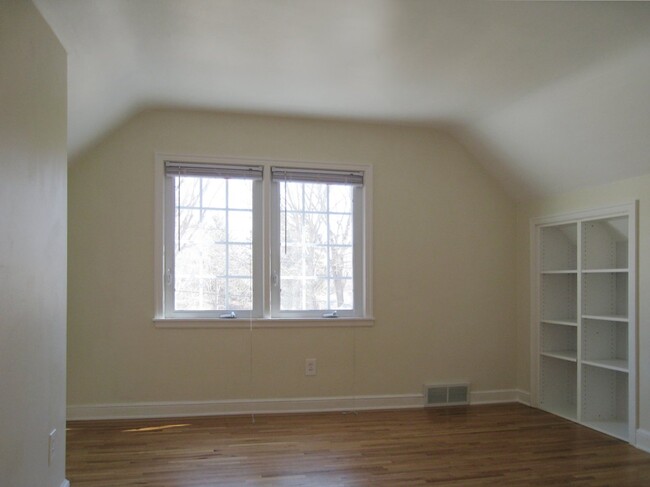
(65, 483)
(493, 397)
(523, 397)
(643, 440)
(262, 406)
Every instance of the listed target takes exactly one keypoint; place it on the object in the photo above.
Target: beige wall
(443, 270)
(32, 247)
(618, 192)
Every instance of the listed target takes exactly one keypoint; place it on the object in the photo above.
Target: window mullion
(226, 303)
(328, 248)
(273, 246)
(303, 273)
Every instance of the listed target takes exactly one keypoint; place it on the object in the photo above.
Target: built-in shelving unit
(584, 318)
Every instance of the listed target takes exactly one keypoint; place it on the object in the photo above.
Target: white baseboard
(643, 440)
(242, 406)
(493, 397)
(523, 397)
(65, 483)
(262, 406)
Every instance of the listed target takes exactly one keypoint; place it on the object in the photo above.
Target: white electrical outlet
(50, 446)
(310, 366)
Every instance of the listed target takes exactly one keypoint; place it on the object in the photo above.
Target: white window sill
(261, 322)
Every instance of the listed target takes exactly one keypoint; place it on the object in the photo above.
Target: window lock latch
(228, 316)
(333, 314)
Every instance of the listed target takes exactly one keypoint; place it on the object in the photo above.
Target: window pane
(315, 229)
(199, 293)
(340, 229)
(316, 294)
(340, 198)
(316, 265)
(315, 197)
(214, 225)
(341, 294)
(240, 259)
(213, 294)
(240, 194)
(316, 261)
(340, 262)
(240, 226)
(291, 262)
(214, 193)
(200, 261)
(294, 223)
(291, 294)
(240, 294)
(188, 228)
(206, 250)
(291, 196)
(189, 192)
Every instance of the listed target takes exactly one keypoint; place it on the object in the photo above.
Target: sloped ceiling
(549, 96)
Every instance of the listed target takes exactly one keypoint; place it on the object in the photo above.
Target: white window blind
(323, 176)
(214, 170)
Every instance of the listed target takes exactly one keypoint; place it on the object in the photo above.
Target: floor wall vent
(446, 394)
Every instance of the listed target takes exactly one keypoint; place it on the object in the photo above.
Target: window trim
(262, 287)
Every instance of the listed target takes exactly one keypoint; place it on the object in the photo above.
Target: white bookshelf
(584, 322)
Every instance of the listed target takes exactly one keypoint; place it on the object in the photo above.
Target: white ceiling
(550, 96)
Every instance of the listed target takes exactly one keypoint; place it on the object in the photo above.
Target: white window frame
(265, 312)
(358, 252)
(169, 254)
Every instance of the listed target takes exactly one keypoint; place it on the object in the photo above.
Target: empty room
(324, 243)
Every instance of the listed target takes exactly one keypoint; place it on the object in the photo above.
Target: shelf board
(560, 322)
(561, 271)
(618, 365)
(568, 355)
(604, 271)
(621, 318)
(617, 428)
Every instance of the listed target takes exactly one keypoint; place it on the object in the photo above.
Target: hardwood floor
(502, 445)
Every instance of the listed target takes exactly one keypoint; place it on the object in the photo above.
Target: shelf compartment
(605, 295)
(605, 344)
(559, 341)
(605, 400)
(605, 243)
(558, 247)
(559, 297)
(558, 387)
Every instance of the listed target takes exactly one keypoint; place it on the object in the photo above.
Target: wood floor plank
(505, 445)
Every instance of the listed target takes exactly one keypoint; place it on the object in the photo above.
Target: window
(263, 241)
(317, 248)
(210, 261)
